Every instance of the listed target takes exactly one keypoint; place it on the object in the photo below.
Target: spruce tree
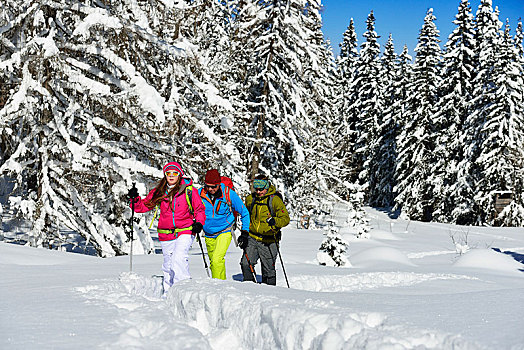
(487, 43)
(382, 168)
(417, 140)
(501, 159)
(220, 122)
(280, 90)
(346, 61)
(368, 105)
(321, 172)
(453, 191)
(519, 37)
(396, 112)
(332, 250)
(344, 127)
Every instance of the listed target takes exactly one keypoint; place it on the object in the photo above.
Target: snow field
(144, 320)
(441, 299)
(365, 281)
(249, 316)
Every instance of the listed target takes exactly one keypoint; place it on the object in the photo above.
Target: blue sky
(402, 18)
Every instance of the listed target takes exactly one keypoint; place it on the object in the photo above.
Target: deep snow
(408, 287)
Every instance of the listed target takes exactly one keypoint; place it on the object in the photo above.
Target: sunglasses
(259, 189)
(172, 173)
(211, 186)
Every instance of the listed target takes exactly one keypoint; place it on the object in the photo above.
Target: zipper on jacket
(173, 211)
(259, 215)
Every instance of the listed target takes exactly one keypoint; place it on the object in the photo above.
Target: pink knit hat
(173, 166)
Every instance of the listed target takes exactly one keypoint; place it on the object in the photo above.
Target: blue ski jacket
(219, 215)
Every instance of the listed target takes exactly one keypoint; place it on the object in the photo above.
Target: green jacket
(259, 228)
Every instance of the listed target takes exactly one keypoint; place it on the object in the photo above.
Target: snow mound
(488, 259)
(421, 255)
(215, 314)
(257, 318)
(129, 283)
(380, 256)
(366, 281)
(144, 321)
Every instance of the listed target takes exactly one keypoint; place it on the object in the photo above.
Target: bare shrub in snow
(460, 242)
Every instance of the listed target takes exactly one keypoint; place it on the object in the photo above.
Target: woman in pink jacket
(182, 216)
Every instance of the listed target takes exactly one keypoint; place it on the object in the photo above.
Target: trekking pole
(280, 256)
(251, 267)
(234, 237)
(132, 238)
(132, 230)
(203, 255)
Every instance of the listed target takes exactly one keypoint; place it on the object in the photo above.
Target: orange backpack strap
(227, 195)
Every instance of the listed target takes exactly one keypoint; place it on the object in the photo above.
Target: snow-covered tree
(393, 116)
(101, 96)
(519, 37)
(217, 66)
(368, 105)
(356, 219)
(344, 129)
(321, 172)
(501, 158)
(348, 57)
(511, 215)
(483, 86)
(417, 140)
(332, 250)
(493, 159)
(382, 168)
(451, 190)
(284, 46)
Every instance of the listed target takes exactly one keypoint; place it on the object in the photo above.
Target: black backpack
(268, 202)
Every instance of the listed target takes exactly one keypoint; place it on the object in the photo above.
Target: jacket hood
(271, 190)
(184, 183)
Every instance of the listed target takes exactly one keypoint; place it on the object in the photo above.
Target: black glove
(133, 192)
(197, 228)
(243, 239)
(271, 221)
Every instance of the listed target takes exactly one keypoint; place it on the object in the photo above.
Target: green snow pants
(216, 249)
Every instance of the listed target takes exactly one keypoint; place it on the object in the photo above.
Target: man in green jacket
(268, 215)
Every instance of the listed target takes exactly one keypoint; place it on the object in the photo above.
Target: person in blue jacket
(221, 203)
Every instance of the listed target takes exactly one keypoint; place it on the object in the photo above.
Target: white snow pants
(176, 262)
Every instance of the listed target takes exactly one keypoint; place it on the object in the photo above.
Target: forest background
(97, 95)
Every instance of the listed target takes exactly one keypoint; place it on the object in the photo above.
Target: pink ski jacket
(181, 217)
